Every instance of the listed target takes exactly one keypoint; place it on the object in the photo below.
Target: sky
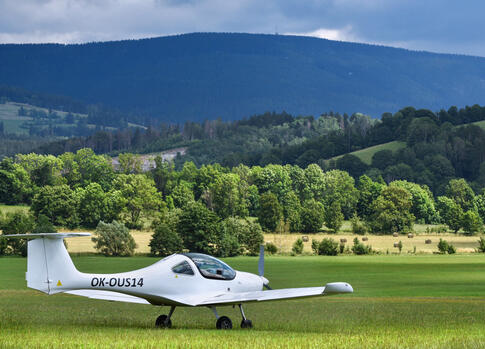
(448, 26)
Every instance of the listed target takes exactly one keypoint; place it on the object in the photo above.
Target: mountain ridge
(201, 76)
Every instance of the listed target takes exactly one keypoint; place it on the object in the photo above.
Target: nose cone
(338, 287)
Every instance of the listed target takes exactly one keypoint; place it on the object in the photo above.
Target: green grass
(366, 154)
(399, 301)
(13, 208)
(479, 123)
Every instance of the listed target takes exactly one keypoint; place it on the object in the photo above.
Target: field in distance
(284, 242)
(399, 301)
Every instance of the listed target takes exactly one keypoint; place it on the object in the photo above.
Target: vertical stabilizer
(49, 266)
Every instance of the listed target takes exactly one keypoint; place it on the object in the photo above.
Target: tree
(17, 223)
(44, 226)
(182, 194)
(130, 163)
(292, 211)
(339, 187)
(92, 201)
(461, 193)
(198, 228)
(92, 168)
(140, 195)
(312, 216)
(368, 192)
(359, 248)
(113, 239)
(249, 234)
(165, 240)
(392, 212)
(333, 217)
(225, 196)
(15, 185)
(450, 212)
(422, 201)
(270, 211)
(472, 222)
(57, 203)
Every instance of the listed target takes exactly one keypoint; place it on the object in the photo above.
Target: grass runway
(419, 301)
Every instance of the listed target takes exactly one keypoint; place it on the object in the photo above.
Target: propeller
(261, 267)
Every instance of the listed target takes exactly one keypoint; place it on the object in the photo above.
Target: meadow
(434, 301)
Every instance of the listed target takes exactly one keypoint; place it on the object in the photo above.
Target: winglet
(337, 287)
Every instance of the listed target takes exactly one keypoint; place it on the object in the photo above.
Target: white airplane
(179, 280)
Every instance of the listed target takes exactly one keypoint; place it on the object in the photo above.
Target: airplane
(179, 280)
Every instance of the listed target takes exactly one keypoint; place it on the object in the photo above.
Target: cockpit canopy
(211, 267)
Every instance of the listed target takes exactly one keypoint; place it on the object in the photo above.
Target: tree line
(222, 210)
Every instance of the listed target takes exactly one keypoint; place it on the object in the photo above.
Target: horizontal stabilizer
(46, 235)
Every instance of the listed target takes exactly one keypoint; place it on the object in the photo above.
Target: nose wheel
(163, 321)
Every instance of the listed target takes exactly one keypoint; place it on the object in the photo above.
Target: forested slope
(210, 75)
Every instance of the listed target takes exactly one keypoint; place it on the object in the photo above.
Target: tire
(160, 322)
(246, 324)
(224, 323)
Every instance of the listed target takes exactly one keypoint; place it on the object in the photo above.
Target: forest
(221, 210)
(437, 146)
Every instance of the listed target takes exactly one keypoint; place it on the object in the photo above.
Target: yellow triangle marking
(59, 283)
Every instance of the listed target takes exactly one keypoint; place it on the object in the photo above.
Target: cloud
(343, 34)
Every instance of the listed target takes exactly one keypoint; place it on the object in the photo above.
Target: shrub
(271, 248)
(360, 249)
(165, 241)
(341, 248)
(315, 245)
(298, 247)
(451, 249)
(328, 247)
(113, 239)
(481, 245)
(443, 246)
(399, 246)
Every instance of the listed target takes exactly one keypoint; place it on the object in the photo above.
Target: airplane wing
(271, 295)
(109, 296)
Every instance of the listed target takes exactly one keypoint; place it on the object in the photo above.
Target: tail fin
(48, 262)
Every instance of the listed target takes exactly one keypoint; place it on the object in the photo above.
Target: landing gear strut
(245, 323)
(163, 321)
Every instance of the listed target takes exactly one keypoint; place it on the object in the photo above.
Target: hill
(210, 75)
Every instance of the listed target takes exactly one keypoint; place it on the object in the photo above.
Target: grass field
(366, 154)
(284, 242)
(11, 208)
(399, 301)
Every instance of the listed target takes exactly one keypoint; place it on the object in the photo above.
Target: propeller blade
(261, 261)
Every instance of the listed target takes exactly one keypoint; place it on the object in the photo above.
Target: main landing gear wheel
(162, 322)
(246, 323)
(224, 323)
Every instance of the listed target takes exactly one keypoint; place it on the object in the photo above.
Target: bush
(315, 245)
(481, 245)
(298, 247)
(443, 246)
(165, 241)
(249, 234)
(271, 248)
(360, 249)
(113, 239)
(451, 249)
(328, 247)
